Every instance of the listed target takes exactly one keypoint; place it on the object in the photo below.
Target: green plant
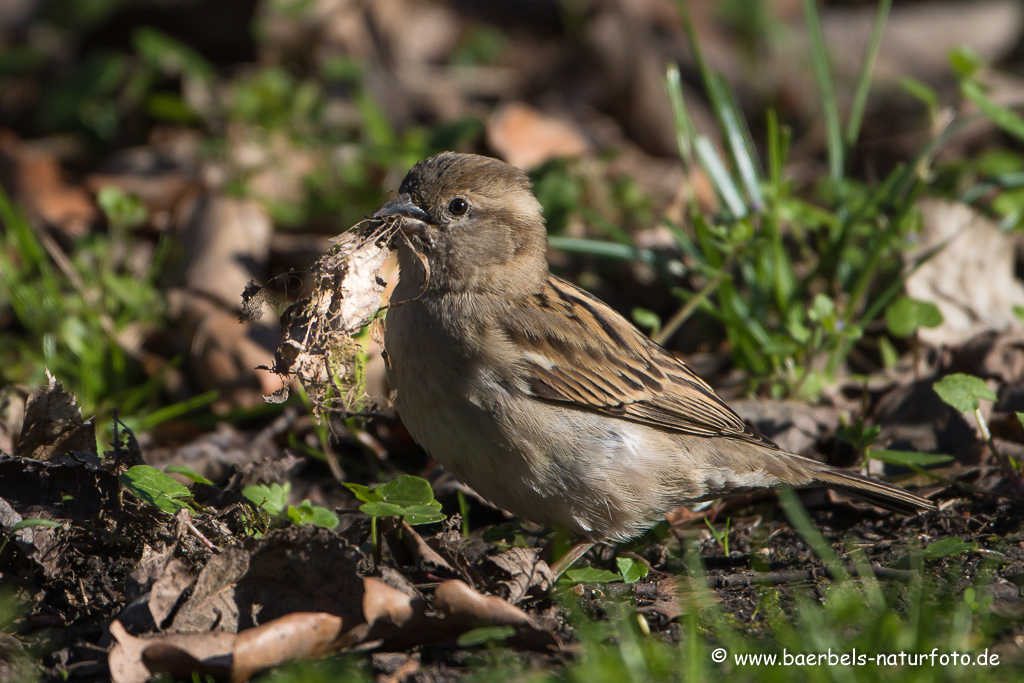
(758, 258)
(851, 614)
(965, 393)
(795, 281)
(573, 577)
(905, 316)
(859, 617)
(273, 499)
(106, 88)
(861, 437)
(75, 314)
(152, 486)
(722, 537)
(631, 568)
(406, 497)
(948, 547)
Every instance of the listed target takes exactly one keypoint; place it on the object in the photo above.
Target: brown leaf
(407, 666)
(227, 242)
(125, 659)
(660, 597)
(796, 427)
(381, 602)
(993, 354)
(972, 279)
(135, 660)
(293, 636)
(918, 37)
(424, 556)
(213, 601)
(53, 425)
(297, 569)
(470, 609)
(523, 573)
(466, 609)
(12, 415)
(222, 353)
(39, 185)
(526, 137)
(161, 579)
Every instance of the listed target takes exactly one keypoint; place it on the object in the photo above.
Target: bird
(541, 397)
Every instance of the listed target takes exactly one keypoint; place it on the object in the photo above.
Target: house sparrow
(541, 397)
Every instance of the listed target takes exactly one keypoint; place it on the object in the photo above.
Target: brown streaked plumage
(540, 396)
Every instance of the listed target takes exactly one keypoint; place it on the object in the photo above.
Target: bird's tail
(871, 490)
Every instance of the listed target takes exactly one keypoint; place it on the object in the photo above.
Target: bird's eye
(458, 206)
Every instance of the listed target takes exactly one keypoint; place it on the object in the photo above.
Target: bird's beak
(414, 219)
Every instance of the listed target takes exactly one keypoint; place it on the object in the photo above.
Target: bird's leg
(578, 549)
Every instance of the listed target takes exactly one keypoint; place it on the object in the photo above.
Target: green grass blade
(1005, 118)
(624, 252)
(860, 94)
(705, 152)
(176, 410)
(826, 89)
(801, 521)
(720, 178)
(737, 137)
(778, 149)
(681, 316)
(683, 124)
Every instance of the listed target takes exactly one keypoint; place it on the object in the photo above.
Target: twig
(800, 575)
(202, 539)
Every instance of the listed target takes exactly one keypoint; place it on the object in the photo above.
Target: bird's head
(475, 221)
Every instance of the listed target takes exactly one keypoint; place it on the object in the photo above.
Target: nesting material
(341, 294)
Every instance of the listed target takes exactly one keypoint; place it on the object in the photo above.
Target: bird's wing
(575, 349)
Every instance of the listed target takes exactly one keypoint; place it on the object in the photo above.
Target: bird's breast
(574, 469)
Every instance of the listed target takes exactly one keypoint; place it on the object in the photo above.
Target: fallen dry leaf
(382, 603)
(471, 609)
(181, 651)
(389, 619)
(971, 279)
(297, 569)
(998, 354)
(406, 538)
(526, 137)
(227, 242)
(53, 424)
(36, 180)
(522, 573)
(154, 588)
(796, 427)
(659, 597)
(222, 654)
(293, 636)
